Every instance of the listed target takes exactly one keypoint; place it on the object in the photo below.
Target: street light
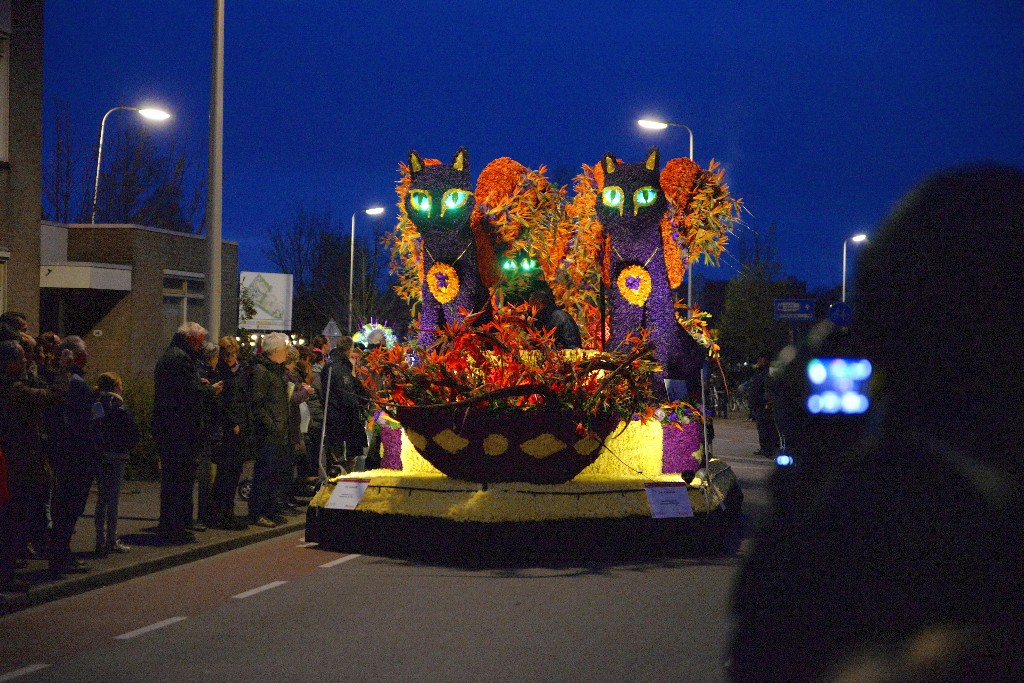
(145, 112)
(856, 238)
(372, 211)
(652, 124)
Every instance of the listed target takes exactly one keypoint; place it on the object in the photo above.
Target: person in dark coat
(271, 413)
(119, 435)
(180, 408)
(767, 434)
(903, 562)
(74, 448)
(548, 316)
(28, 475)
(345, 402)
(230, 454)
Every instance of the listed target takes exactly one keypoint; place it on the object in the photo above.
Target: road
(283, 610)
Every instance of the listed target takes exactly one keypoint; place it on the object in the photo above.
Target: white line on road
(254, 591)
(334, 563)
(31, 668)
(147, 629)
(304, 544)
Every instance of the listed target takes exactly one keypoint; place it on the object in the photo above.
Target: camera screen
(838, 386)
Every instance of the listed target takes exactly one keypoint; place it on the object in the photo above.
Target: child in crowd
(120, 434)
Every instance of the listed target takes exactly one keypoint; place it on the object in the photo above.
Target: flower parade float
(498, 448)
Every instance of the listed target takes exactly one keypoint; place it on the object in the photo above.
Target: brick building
(21, 136)
(126, 288)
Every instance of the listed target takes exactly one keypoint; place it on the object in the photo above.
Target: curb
(68, 587)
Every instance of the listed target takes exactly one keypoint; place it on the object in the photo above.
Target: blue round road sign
(840, 314)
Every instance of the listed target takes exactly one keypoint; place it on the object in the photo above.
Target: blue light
(783, 460)
(816, 371)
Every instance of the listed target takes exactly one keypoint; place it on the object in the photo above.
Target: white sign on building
(271, 293)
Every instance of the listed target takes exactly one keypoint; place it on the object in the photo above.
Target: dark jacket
(21, 415)
(73, 438)
(117, 427)
(345, 402)
(181, 401)
(567, 332)
(270, 408)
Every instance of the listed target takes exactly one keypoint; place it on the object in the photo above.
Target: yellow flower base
(612, 486)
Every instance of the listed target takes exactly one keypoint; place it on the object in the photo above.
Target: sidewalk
(138, 515)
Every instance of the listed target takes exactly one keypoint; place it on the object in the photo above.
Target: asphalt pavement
(139, 513)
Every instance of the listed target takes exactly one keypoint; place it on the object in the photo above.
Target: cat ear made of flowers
(416, 163)
(651, 162)
(461, 160)
(608, 163)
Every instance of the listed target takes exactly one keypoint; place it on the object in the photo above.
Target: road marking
(254, 591)
(31, 668)
(335, 563)
(306, 545)
(147, 629)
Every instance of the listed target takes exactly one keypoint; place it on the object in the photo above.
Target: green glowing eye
(420, 201)
(645, 196)
(454, 199)
(611, 196)
(529, 264)
(509, 264)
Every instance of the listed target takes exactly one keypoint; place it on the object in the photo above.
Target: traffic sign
(794, 309)
(840, 314)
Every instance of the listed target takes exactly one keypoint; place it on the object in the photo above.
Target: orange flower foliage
(523, 210)
(576, 283)
(697, 327)
(507, 364)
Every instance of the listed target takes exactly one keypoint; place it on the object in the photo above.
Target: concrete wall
(20, 175)
(129, 339)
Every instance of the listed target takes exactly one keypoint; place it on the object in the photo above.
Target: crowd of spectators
(60, 435)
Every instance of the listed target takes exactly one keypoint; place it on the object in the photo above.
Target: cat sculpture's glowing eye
(528, 264)
(612, 196)
(420, 201)
(645, 196)
(454, 199)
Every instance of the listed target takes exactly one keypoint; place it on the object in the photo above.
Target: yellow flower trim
(634, 283)
(495, 444)
(542, 446)
(586, 446)
(417, 439)
(443, 282)
(450, 441)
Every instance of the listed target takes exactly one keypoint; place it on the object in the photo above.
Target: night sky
(823, 116)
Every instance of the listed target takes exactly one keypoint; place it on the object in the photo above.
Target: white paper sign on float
(347, 494)
(668, 499)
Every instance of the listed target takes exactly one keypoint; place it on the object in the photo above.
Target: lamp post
(372, 211)
(855, 238)
(652, 124)
(153, 114)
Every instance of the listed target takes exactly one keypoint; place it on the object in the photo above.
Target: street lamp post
(652, 124)
(856, 238)
(154, 114)
(372, 211)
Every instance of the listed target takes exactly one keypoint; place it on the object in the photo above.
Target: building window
(184, 300)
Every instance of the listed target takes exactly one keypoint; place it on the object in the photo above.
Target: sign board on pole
(332, 331)
(794, 309)
(272, 295)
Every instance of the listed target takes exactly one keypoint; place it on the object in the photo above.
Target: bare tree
(65, 177)
(147, 186)
(314, 248)
(141, 182)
